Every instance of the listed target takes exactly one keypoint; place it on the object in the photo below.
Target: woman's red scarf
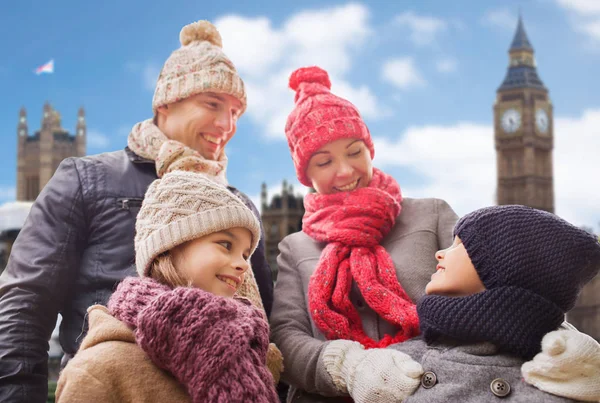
(353, 225)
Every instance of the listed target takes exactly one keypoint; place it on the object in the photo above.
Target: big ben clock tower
(523, 130)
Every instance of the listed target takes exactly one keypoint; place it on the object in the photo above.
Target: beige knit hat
(199, 65)
(183, 206)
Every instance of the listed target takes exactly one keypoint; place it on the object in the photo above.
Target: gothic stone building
(40, 153)
(524, 138)
(38, 156)
(281, 217)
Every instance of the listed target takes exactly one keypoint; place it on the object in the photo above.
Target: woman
(362, 260)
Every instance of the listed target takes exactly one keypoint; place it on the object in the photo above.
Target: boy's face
(455, 276)
(216, 262)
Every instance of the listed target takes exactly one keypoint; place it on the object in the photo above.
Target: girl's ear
(163, 110)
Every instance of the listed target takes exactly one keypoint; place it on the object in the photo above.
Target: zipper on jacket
(127, 203)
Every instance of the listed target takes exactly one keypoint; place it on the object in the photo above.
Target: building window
(32, 187)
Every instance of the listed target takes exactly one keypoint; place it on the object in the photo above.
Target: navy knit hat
(532, 249)
(533, 265)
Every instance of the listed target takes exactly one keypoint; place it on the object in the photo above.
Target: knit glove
(567, 366)
(275, 362)
(371, 376)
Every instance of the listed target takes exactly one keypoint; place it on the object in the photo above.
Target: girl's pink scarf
(215, 347)
(353, 224)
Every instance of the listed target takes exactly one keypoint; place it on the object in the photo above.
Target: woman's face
(340, 166)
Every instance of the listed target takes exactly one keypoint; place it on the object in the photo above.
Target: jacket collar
(136, 159)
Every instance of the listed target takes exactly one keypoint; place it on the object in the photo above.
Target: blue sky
(424, 75)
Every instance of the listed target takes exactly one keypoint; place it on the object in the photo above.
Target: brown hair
(163, 270)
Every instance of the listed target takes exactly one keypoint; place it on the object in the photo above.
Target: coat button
(500, 387)
(428, 380)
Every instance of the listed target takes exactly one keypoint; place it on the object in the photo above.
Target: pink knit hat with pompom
(319, 118)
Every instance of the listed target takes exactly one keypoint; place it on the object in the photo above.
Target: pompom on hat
(319, 118)
(199, 65)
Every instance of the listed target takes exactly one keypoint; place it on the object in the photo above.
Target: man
(77, 242)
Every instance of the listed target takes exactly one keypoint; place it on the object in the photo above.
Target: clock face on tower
(511, 120)
(541, 121)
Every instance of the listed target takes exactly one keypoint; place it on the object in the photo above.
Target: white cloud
(501, 18)
(424, 29)
(276, 189)
(266, 56)
(586, 16)
(361, 97)
(458, 164)
(255, 48)
(149, 73)
(326, 37)
(402, 73)
(589, 7)
(577, 141)
(96, 139)
(592, 29)
(447, 65)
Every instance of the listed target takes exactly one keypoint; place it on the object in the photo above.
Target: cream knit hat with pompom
(199, 65)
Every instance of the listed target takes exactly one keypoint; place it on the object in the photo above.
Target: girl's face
(340, 166)
(455, 274)
(216, 262)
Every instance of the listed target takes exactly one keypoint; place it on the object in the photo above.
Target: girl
(360, 263)
(179, 332)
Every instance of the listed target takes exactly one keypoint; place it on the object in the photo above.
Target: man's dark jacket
(75, 246)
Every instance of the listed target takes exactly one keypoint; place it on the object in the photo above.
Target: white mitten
(371, 376)
(567, 366)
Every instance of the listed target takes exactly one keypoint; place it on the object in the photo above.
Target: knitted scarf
(512, 318)
(148, 141)
(215, 347)
(353, 225)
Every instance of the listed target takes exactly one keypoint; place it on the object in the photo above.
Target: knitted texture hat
(199, 65)
(531, 249)
(533, 265)
(183, 206)
(319, 118)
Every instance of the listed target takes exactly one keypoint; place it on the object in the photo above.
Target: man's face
(205, 122)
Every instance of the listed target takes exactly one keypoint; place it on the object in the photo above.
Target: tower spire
(522, 72)
(520, 40)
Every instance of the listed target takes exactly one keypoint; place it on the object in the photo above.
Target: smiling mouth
(211, 139)
(350, 186)
(230, 282)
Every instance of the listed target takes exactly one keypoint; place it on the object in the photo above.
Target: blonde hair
(163, 270)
